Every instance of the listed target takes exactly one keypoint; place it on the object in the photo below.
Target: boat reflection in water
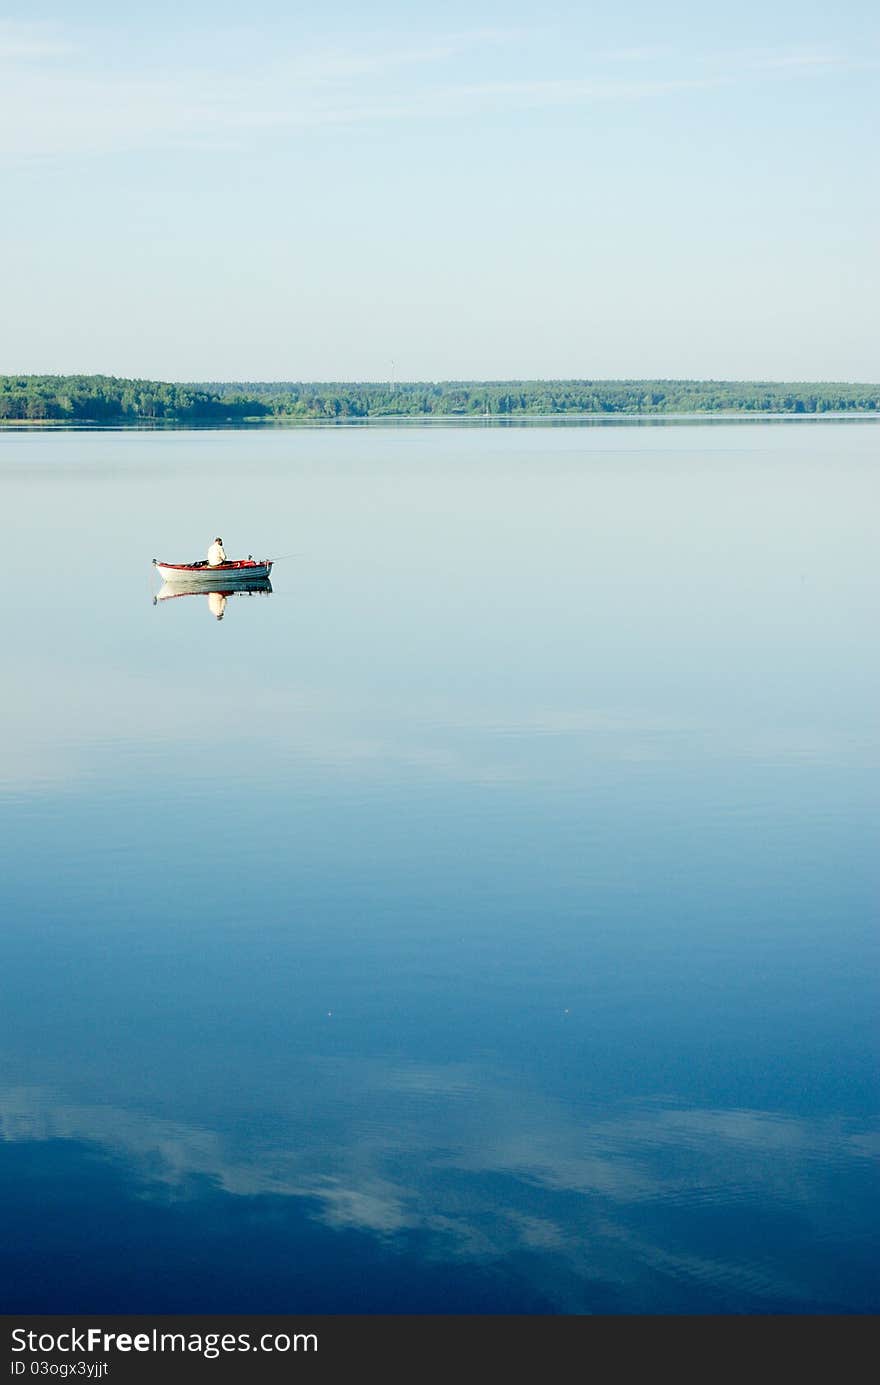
(218, 593)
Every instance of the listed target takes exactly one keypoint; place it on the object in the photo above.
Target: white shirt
(216, 554)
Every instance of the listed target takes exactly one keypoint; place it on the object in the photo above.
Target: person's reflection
(216, 604)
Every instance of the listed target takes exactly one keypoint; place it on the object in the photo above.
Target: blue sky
(214, 191)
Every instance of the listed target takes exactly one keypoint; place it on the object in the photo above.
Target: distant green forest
(107, 399)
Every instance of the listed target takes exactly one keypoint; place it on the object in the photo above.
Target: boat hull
(226, 574)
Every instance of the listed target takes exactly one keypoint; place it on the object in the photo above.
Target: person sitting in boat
(216, 555)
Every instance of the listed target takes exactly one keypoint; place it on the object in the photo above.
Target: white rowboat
(230, 574)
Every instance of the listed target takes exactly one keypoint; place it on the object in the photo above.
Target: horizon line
(392, 383)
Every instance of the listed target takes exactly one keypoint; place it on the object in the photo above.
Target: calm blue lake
(482, 921)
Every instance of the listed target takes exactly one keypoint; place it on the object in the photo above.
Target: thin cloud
(799, 60)
(578, 92)
(53, 110)
(31, 42)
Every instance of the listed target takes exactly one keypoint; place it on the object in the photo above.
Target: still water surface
(484, 920)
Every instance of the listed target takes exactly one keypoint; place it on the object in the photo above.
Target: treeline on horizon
(108, 399)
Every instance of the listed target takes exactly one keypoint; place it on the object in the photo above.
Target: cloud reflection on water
(483, 1170)
(63, 745)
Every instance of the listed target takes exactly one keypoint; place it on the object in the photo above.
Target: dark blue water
(484, 920)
